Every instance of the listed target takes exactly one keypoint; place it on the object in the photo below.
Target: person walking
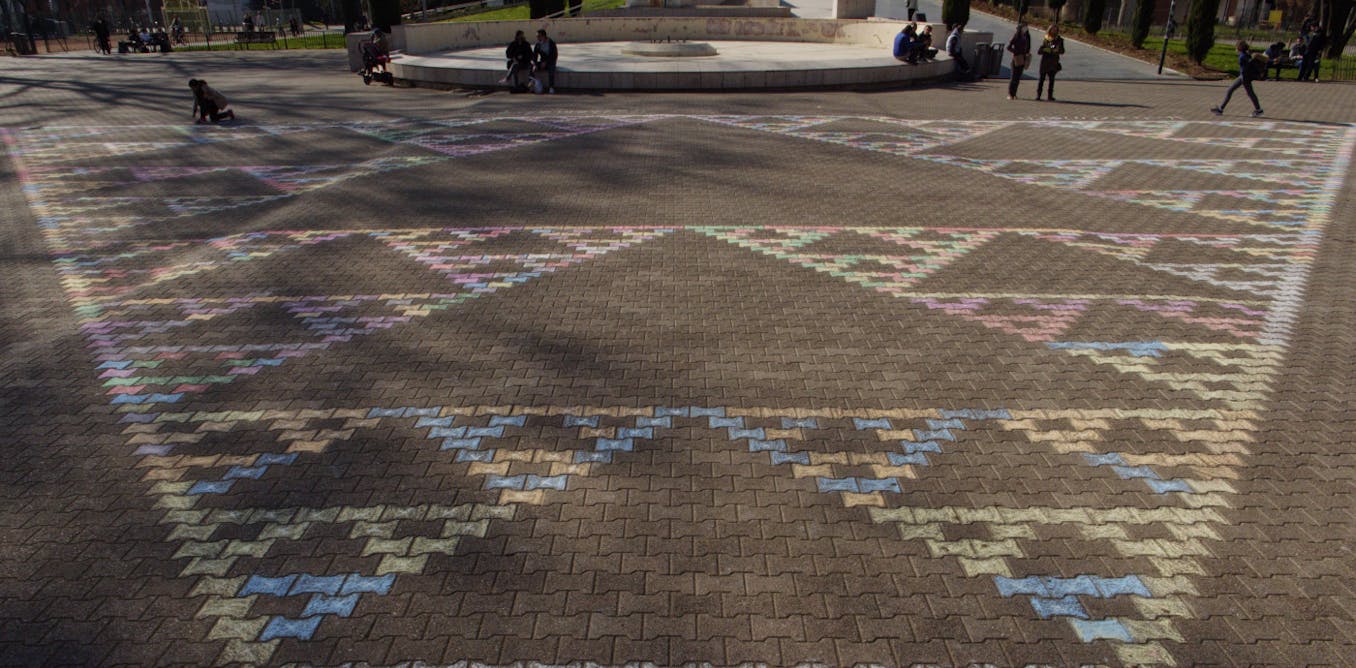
(954, 49)
(545, 54)
(1020, 48)
(101, 36)
(1052, 47)
(912, 7)
(1248, 71)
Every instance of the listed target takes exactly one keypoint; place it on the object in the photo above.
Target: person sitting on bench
(519, 54)
(906, 44)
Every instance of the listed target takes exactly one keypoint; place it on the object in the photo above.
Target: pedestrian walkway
(889, 378)
(1082, 61)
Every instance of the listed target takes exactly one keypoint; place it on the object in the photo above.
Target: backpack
(1257, 67)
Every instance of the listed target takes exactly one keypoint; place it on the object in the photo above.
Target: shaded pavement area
(884, 377)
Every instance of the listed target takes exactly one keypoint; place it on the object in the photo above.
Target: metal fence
(1338, 69)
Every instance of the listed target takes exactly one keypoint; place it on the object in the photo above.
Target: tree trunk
(1339, 25)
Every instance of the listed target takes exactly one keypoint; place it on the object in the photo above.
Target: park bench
(257, 37)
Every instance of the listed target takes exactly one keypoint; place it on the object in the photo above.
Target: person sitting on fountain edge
(906, 44)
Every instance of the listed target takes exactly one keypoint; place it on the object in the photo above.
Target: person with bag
(1052, 47)
(1249, 69)
(954, 49)
(1020, 48)
(519, 55)
(545, 54)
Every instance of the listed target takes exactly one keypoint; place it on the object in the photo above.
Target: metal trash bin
(20, 44)
(995, 60)
(980, 65)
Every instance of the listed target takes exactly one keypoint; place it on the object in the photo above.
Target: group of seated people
(912, 46)
(1303, 53)
(143, 40)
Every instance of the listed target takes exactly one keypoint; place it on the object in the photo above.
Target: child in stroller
(376, 54)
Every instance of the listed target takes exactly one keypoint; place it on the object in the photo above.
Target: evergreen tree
(1058, 6)
(1092, 16)
(1144, 18)
(955, 11)
(1200, 26)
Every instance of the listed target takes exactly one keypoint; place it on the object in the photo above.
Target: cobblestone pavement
(844, 378)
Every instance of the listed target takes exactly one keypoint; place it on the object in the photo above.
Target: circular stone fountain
(669, 49)
(676, 53)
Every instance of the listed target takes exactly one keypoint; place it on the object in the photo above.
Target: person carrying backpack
(1249, 69)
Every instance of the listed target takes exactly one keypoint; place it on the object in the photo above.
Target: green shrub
(955, 11)
(1092, 16)
(1144, 18)
(1200, 35)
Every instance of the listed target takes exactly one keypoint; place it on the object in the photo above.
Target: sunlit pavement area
(915, 376)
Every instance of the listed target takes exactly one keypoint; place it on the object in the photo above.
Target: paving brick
(707, 391)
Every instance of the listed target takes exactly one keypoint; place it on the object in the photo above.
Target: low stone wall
(853, 9)
(718, 10)
(432, 70)
(435, 37)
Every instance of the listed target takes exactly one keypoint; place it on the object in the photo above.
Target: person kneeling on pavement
(208, 103)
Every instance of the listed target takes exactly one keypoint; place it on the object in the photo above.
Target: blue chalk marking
(863, 423)
(259, 584)
(791, 458)
(1102, 629)
(355, 583)
(282, 627)
(330, 605)
(837, 484)
(316, 584)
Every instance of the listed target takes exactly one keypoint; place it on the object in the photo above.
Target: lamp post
(1172, 23)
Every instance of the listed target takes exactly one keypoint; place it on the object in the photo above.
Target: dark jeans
(1246, 84)
(1308, 68)
(210, 110)
(513, 71)
(1014, 80)
(1040, 85)
(963, 66)
(550, 71)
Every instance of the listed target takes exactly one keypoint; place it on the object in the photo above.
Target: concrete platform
(739, 64)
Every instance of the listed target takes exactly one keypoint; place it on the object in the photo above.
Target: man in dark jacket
(545, 55)
(1313, 53)
(519, 54)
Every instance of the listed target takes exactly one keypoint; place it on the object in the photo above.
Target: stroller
(372, 59)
